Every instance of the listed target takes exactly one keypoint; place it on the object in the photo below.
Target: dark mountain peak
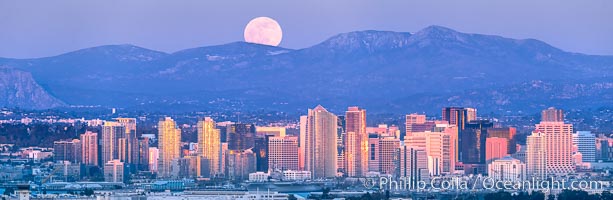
(440, 30)
(233, 49)
(369, 41)
(439, 33)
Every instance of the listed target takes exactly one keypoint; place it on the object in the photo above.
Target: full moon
(263, 30)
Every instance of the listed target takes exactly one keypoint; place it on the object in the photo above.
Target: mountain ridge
(373, 68)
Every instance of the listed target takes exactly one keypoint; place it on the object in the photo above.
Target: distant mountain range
(380, 70)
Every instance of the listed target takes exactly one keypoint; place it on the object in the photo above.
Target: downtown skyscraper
(209, 144)
(356, 144)
(169, 145)
(536, 155)
(240, 136)
(559, 146)
(458, 116)
(283, 153)
(320, 143)
(550, 147)
(552, 114)
(129, 143)
(67, 150)
(413, 164)
(89, 148)
(112, 133)
(415, 123)
(439, 148)
(472, 141)
(382, 150)
(240, 156)
(585, 142)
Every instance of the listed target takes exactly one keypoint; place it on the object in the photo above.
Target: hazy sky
(46, 28)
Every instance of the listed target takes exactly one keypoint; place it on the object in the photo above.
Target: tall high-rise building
(472, 141)
(123, 150)
(356, 145)
(471, 114)
(130, 150)
(209, 144)
(341, 139)
(413, 164)
(415, 123)
(283, 153)
(604, 148)
(67, 150)
(112, 132)
(302, 142)
(495, 148)
(223, 158)
(240, 136)
(536, 155)
(586, 145)
(89, 148)
(223, 127)
(472, 146)
(373, 152)
(440, 150)
(441, 153)
(552, 115)
(261, 153)
(453, 132)
(114, 171)
(169, 145)
(508, 133)
(154, 156)
(143, 154)
(240, 163)
(457, 116)
(559, 140)
(387, 154)
(320, 143)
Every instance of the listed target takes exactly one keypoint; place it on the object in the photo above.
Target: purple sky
(46, 28)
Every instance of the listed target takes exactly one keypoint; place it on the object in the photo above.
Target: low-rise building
(507, 169)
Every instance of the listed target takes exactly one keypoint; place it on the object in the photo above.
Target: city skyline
(431, 148)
